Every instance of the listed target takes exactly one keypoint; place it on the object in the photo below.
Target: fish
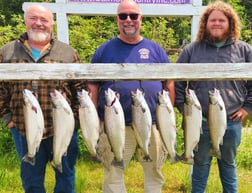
(192, 125)
(166, 124)
(114, 123)
(89, 122)
(34, 125)
(64, 123)
(217, 121)
(141, 122)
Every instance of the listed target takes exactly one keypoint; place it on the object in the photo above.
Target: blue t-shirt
(117, 51)
(35, 53)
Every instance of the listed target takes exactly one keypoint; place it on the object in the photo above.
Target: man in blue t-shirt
(131, 47)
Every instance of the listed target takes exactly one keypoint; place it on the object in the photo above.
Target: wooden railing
(126, 71)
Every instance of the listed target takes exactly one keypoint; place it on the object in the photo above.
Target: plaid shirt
(11, 97)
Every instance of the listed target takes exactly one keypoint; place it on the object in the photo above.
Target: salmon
(141, 122)
(63, 122)
(217, 121)
(166, 124)
(192, 125)
(34, 125)
(114, 122)
(89, 122)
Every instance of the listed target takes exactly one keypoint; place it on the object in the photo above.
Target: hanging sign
(138, 1)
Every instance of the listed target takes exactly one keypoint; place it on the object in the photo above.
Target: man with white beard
(38, 46)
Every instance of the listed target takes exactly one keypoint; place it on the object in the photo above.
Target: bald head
(128, 4)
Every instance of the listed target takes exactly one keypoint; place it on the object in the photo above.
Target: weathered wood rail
(126, 71)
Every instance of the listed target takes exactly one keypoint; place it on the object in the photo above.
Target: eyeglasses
(124, 16)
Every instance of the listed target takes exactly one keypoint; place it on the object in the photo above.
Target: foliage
(89, 175)
(244, 154)
(11, 32)
(7, 148)
(8, 8)
(86, 33)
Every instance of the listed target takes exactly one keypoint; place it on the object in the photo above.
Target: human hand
(239, 115)
(10, 124)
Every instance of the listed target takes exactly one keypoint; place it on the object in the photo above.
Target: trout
(166, 124)
(192, 125)
(115, 126)
(63, 121)
(217, 121)
(141, 122)
(89, 122)
(34, 125)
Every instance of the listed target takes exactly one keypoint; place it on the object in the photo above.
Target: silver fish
(141, 122)
(63, 121)
(115, 126)
(34, 125)
(192, 125)
(89, 122)
(166, 124)
(217, 121)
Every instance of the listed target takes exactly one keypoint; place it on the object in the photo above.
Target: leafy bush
(7, 147)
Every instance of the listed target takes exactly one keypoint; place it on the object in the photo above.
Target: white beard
(128, 32)
(38, 37)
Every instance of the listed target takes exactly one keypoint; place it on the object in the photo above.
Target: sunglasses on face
(124, 16)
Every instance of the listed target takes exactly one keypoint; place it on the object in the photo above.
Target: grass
(89, 178)
(89, 175)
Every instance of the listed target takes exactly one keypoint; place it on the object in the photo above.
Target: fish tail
(147, 158)
(118, 164)
(215, 152)
(28, 159)
(57, 166)
(187, 160)
(175, 159)
(95, 158)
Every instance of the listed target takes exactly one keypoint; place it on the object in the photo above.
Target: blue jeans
(33, 176)
(226, 165)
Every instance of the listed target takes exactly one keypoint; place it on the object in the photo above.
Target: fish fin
(95, 159)
(197, 106)
(196, 148)
(65, 154)
(34, 109)
(117, 94)
(89, 108)
(187, 160)
(37, 148)
(54, 106)
(57, 166)
(175, 128)
(220, 106)
(143, 109)
(28, 159)
(115, 109)
(147, 158)
(169, 109)
(44, 130)
(118, 164)
(215, 153)
(66, 110)
(201, 130)
(175, 159)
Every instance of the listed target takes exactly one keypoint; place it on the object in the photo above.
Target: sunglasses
(124, 16)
